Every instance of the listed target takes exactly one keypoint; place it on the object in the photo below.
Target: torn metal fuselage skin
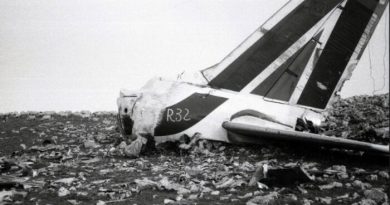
(169, 109)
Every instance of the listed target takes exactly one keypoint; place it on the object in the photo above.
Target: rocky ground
(364, 118)
(75, 158)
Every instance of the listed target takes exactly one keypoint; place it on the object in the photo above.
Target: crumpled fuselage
(168, 109)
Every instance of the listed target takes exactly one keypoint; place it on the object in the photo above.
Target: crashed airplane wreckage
(284, 74)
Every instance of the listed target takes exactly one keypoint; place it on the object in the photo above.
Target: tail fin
(306, 54)
(343, 50)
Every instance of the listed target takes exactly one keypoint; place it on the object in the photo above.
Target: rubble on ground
(81, 158)
(364, 118)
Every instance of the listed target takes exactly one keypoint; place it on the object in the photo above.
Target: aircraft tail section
(303, 54)
(343, 50)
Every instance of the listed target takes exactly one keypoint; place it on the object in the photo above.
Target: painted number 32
(178, 114)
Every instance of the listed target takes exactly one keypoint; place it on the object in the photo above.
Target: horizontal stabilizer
(262, 133)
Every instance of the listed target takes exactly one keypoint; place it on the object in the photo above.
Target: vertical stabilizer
(343, 49)
(271, 44)
(304, 54)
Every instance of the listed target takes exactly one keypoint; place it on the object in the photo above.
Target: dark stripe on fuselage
(337, 53)
(187, 113)
(281, 84)
(262, 53)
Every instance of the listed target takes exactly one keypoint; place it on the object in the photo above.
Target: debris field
(76, 158)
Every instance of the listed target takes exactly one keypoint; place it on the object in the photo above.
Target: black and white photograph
(254, 102)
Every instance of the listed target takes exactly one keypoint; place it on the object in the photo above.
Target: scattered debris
(376, 194)
(90, 144)
(286, 176)
(100, 202)
(366, 202)
(364, 118)
(83, 155)
(67, 181)
(262, 186)
(324, 200)
(259, 174)
(6, 196)
(384, 174)
(146, 183)
(263, 200)
(63, 192)
(361, 185)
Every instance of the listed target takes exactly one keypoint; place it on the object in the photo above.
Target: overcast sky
(76, 55)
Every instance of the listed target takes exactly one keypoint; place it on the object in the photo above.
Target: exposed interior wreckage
(284, 74)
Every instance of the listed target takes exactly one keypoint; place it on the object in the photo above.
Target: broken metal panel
(281, 84)
(277, 40)
(287, 176)
(348, 38)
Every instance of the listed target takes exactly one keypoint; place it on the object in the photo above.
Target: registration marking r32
(178, 114)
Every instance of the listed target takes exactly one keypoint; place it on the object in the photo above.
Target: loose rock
(376, 194)
(331, 186)
(263, 200)
(63, 192)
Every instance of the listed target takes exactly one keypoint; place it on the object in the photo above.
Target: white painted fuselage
(154, 105)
